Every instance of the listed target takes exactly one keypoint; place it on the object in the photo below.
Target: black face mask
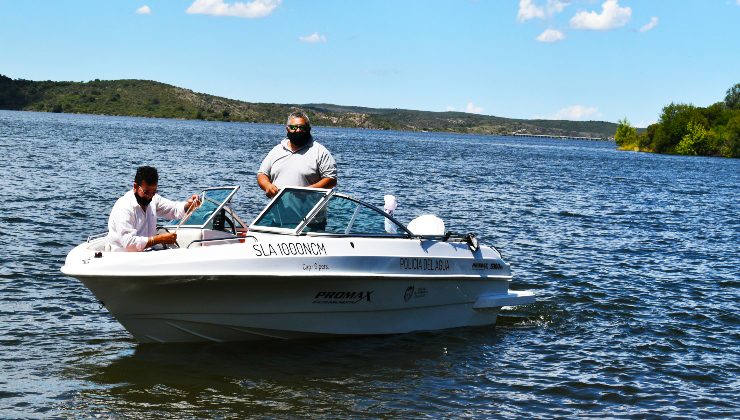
(142, 201)
(299, 138)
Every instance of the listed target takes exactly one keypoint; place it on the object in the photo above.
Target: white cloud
(313, 38)
(250, 10)
(528, 10)
(144, 10)
(575, 112)
(611, 16)
(652, 24)
(472, 109)
(557, 6)
(551, 35)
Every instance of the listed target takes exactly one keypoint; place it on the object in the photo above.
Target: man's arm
(122, 227)
(162, 238)
(169, 209)
(327, 183)
(327, 169)
(267, 186)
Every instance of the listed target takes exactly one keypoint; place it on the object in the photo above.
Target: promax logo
(486, 266)
(343, 297)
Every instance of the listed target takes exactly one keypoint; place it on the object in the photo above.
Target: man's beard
(143, 202)
(299, 138)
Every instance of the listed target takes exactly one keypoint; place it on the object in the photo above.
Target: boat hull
(243, 308)
(272, 286)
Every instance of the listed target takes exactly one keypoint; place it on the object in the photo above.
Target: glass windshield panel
(212, 199)
(334, 217)
(369, 221)
(289, 210)
(344, 216)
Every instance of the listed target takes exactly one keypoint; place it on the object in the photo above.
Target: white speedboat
(313, 263)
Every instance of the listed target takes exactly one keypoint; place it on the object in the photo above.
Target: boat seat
(427, 225)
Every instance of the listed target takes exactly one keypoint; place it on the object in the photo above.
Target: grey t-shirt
(302, 168)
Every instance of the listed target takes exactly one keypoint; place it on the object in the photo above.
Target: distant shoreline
(546, 137)
(144, 98)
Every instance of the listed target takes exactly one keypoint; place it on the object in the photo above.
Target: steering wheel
(230, 224)
(223, 223)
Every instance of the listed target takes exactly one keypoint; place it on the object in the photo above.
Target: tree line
(685, 129)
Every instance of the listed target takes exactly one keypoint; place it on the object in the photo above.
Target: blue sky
(577, 59)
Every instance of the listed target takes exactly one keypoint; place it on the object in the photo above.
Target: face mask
(142, 201)
(299, 138)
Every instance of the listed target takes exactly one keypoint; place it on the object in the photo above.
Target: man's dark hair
(148, 174)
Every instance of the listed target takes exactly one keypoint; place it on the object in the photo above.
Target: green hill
(144, 98)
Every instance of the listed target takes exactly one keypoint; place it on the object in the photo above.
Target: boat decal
(425, 264)
(486, 266)
(408, 293)
(290, 248)
(315, 267)
(414, 292)
(343, 297)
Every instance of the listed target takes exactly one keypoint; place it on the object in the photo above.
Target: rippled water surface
(634, 258)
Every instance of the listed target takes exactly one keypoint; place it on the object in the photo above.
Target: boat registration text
(290, 248)
(425, 264)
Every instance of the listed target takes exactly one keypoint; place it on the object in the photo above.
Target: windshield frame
(404, 233)
(224, 204)
(309, 216)
(328, 194)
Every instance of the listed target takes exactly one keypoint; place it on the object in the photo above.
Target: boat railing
(468, 238)
(236, 238)
(96, 236)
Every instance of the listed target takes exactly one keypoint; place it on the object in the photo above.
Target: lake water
(634, 258)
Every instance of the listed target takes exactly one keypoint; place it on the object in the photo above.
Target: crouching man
(132, 225)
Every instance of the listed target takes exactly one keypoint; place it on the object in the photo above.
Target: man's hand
(167, 238)
(162, 238)
(271, 190)
(267, 186)
(192, 203)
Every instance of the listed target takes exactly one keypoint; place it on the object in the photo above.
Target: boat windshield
(213, 199)
(290, 208)
(307, 211)
(344, 215)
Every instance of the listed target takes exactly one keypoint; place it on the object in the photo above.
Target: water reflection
(337, 377)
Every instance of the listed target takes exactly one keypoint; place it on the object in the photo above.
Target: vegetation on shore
(144, 98)
(685, 129)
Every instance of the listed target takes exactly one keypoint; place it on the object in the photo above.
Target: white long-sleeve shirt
(130, 226)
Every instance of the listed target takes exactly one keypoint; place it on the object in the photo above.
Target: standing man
(298, 161)
(132, 225)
